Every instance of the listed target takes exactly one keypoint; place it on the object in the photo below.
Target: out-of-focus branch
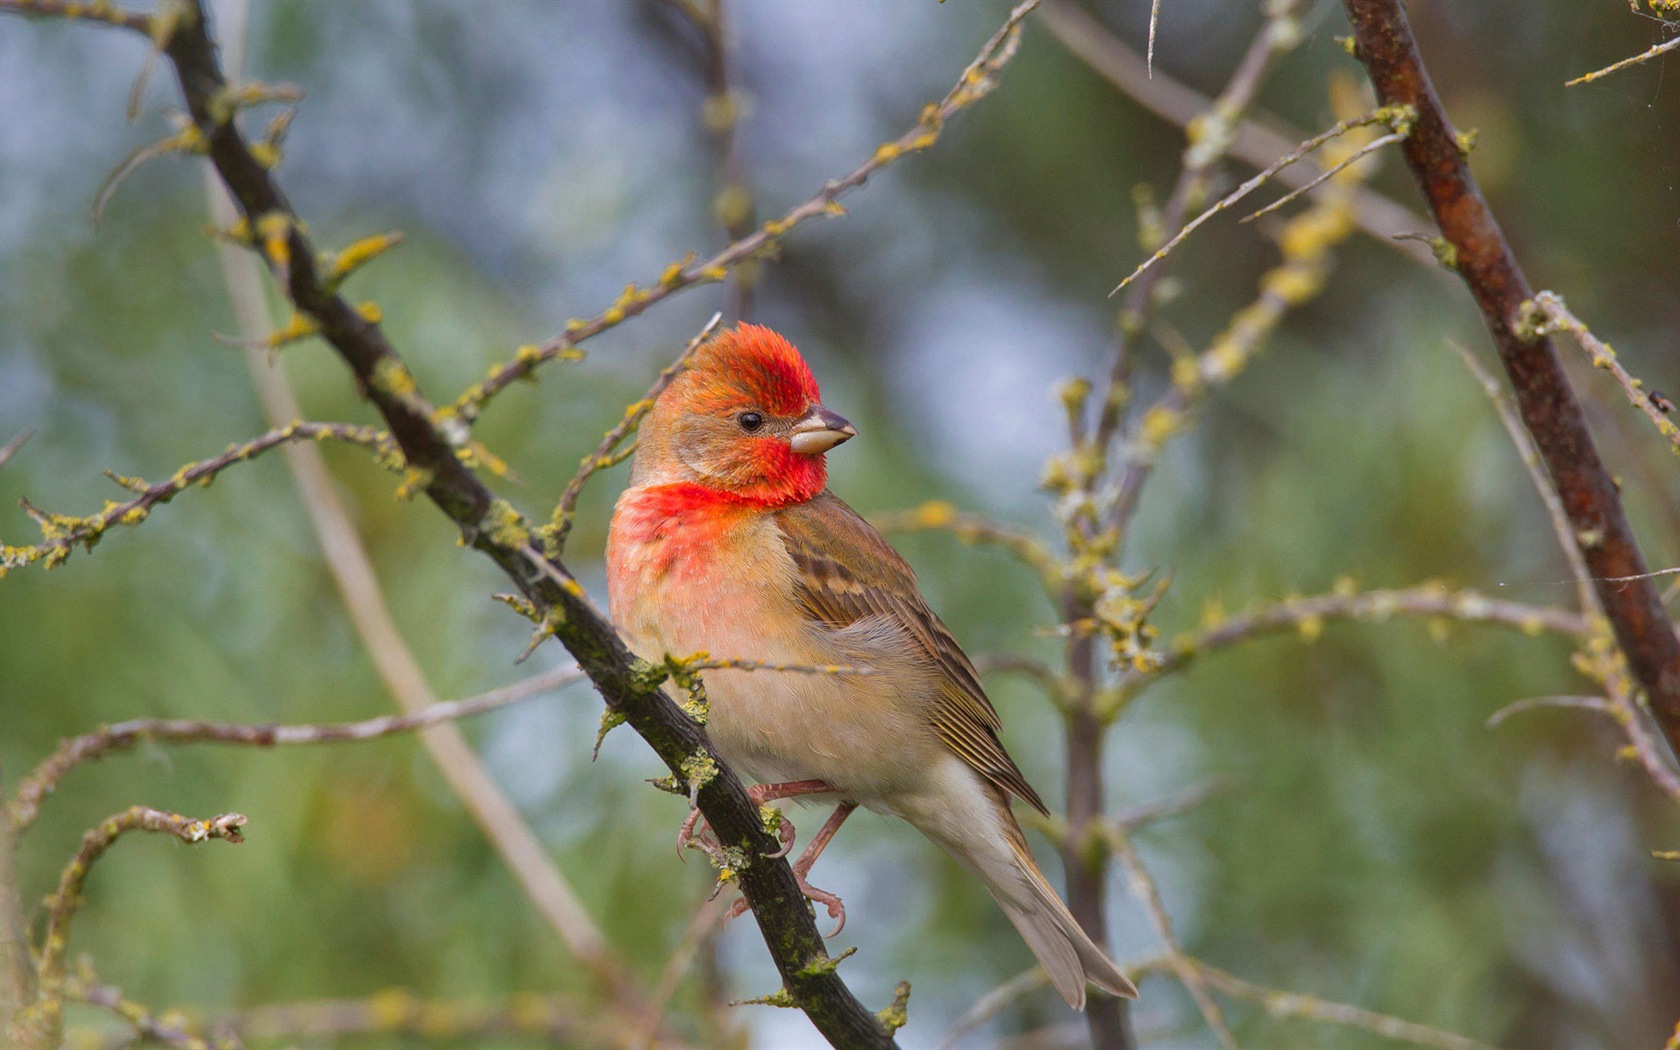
(1149, 898)
(1546, 313)
(1308, 616)
(607, 453)
(976, 81)
(146, 1024)
(10, 448)
(107, 13)
(1255, 141)
(41, 1022)
(548, 1018)
(63, 533)
(45, 778)
(721, 114)
(975, 530)
(1550, 411)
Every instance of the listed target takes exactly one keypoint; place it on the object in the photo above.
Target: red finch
(728, 541)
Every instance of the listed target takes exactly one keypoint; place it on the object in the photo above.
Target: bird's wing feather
(847, 572)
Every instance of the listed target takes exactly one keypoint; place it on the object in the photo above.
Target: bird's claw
(690, 838)
(836, 907)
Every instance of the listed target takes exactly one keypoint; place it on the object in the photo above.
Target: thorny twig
(607, 453)
(122, 736)
(1546, 313)
(63, 533)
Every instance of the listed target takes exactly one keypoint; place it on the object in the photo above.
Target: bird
(727, 541)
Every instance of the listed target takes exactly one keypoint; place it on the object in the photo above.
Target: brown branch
(63, 533)
(10, 448)
(976, 529)
(976, 81)
(606, 453)
(122, 736)
(1550, 410)
(109, 14)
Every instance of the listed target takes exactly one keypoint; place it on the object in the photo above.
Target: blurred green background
(1376, 843)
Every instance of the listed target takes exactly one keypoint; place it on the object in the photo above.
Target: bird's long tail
(998, 853)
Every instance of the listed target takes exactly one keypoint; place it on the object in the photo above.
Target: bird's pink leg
(802, 867)
(760, 794)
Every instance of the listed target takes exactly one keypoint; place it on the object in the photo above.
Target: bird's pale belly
(855, 731)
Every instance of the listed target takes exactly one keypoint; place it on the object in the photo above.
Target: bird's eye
(750, 421)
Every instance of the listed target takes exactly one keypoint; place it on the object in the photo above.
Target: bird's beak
(820, 431)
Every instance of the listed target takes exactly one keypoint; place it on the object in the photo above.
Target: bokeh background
(1375, 844)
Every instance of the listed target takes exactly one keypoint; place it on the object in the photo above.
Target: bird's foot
(761, 794)
(695, 833)
(836, 907)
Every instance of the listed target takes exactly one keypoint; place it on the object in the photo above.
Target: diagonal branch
(1548, 404)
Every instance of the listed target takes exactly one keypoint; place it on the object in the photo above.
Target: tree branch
(1548, 404)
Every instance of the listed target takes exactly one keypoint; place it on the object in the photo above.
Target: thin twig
(1534, 703)
(109, 14)
(1255, 142)
(1644, 56)
(1341, 127)
(62, 906)
(1327, 174)
(10, 448)
(1149, 897)
(1171, 806)
(63, 533)
(1308, 616)
(45, 778)
(1549, 306)
(1154, 16)
(560, 525)
(976, 81)
(972, 529)
(147, 1025)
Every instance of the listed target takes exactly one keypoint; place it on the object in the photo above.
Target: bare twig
(549, 1018)
(604, 456)
(1255, 141)
(107, 13)
(62, 906)
(1534, 703)
(63, 533)
(993, 1003)
(1328, 173)
(1149, 897)
(1548, 404)
(1392, 117)
(1308, 616)
(976, 81)
(1644, 56)
(147, 1025)
(45, 778)
(10, 448)
(974, 529)
(1173, 805)
(1546, 313)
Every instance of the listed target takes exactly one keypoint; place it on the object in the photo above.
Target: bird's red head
(744, 419)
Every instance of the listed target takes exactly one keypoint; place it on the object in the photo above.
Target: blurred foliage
(1378, 845)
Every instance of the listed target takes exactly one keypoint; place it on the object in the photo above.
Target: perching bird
(727, 541)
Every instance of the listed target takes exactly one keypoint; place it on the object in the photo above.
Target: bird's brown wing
(848, 572)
